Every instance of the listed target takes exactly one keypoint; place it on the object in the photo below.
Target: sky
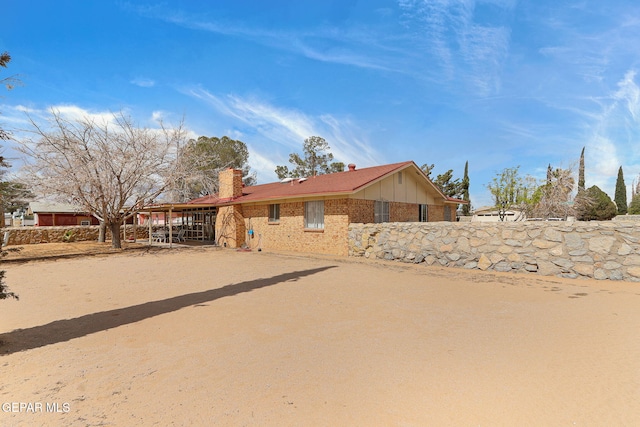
(495, 83)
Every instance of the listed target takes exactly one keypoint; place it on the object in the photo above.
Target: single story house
(492, 214)
(53, 214)
(313, 214)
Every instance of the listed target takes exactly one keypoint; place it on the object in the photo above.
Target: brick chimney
(230, 183)
(352, 166)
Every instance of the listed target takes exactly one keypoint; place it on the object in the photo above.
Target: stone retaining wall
(31, 235)
(600, 250)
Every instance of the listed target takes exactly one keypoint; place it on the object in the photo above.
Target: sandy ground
(203, 336)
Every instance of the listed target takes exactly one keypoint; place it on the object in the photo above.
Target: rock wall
(31, 235)
(600, 250)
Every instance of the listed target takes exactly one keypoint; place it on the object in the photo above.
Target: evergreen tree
(449, 186)
(599, 207)
(621, 194)
(581, 172)
(465, 190)
(200, 161)
(427, 168)
(4, 135)
(314, 161)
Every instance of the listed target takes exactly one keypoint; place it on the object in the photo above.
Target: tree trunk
(102, 233)
(116, 243)
(2, 224)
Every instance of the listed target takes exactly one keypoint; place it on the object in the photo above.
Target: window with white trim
(381, 211)
(314, 214)
(274, 213)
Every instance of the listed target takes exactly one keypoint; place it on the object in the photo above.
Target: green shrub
(68, 236)
(4, 289)
(634, 206)
(599, 207)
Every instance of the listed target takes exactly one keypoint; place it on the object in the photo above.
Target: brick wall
(361, 210)
(403, 212)
(230, 182)
(289, 234)
(435, 213)
(230, 227)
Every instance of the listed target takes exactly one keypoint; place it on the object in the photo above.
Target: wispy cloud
(311, 43)
(464, 50)
(143, 82)
(615, 131)
(287, 128)
(629, 94)
(445, 32)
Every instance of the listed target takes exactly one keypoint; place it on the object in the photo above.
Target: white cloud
(158, 116)
(613, 136)
(143, 82)
(282, 126)
(273, 127)
(629, 93)
(74, 113)
(602, 154)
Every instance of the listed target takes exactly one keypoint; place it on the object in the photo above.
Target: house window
(399, 177)
(85, 222)
(274, 213)
(447, 213)
(314, 214)
(422, 213)
(381, 211)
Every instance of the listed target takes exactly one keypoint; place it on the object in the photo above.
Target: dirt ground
(205, 336)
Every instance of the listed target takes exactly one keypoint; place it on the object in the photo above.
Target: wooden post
(150, 227)
(170, 226)
(135, 228)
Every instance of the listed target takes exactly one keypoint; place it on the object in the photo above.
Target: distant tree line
(557, 196)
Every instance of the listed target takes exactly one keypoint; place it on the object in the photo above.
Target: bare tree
(553, 200)
(109, 167)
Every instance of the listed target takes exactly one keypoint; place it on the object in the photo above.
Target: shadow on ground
(65, 330)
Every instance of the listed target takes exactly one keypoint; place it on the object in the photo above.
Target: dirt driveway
(203, 336)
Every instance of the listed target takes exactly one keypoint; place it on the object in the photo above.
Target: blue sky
(497, 83)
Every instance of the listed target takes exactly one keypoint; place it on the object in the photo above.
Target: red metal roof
(346, 182)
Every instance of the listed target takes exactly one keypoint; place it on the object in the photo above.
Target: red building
(52, 214)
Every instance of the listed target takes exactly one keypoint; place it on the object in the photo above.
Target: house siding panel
(63, 219)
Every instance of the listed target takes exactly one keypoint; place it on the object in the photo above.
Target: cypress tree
(621, 194)
(581, 172)
(465, 190)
